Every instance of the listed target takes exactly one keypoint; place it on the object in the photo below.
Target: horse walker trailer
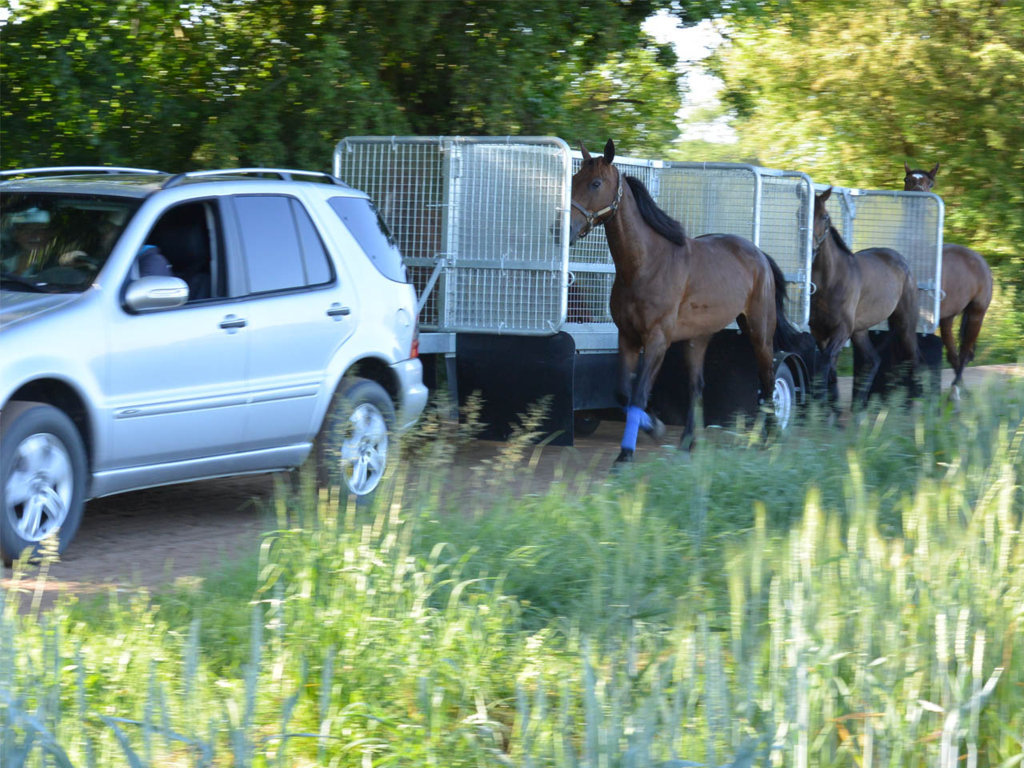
(509, 310)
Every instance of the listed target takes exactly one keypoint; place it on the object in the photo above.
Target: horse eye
(595, 184)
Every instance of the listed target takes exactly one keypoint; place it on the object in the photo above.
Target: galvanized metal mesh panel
(710, 199)
(508, 259)
(480, 222)
(406, 179)
(908, 222)
(784, 233)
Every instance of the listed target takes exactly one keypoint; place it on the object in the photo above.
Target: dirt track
(150, 538)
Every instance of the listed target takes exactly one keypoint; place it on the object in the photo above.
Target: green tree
(849, 91)
(179, 85)
(102, 82)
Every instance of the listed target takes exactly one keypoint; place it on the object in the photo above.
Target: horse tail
(787, 336)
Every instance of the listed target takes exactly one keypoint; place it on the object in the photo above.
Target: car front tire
(354, 445)
(42, 478)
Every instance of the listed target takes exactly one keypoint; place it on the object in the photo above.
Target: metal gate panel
(483, 223)
(406, 178)
(710, 198)
(784, 233)
(509, 257)
(480, 222)
(908, 222)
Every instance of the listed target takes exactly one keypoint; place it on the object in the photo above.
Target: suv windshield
(57, 243)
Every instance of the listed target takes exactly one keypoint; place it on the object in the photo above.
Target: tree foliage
(180, 85)
(849, 91)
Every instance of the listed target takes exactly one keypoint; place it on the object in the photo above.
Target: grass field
(847, 597)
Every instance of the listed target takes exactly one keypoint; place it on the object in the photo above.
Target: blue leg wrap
(636, 419)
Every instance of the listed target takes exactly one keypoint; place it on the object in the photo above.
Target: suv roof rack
(285, 174)
(66, 169)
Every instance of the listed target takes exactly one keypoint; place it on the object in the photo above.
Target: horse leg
(862, 341)
(764, 357)
(970, 327)
(949, 342)
(903, 325)
(639, 389)
(830, 377)
(629, 359)
(693, 354)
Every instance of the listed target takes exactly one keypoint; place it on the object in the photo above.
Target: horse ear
(583, 151)
(933, 171)
(906, 168)
(609, 151)
(824, 196)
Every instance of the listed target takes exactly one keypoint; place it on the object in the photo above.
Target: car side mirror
(149, 293)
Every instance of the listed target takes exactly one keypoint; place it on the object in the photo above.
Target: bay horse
(966, 288)
(854, 292)
(669, 287)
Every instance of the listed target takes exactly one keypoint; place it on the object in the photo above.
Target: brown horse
(669, 287)
(854, 292)
(966, 287)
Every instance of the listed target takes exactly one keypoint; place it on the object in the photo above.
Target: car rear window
(372, 234)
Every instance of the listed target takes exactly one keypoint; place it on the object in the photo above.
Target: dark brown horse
(669, 287)
(966, 287)
(854, 292)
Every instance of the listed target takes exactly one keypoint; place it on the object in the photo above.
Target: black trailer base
(511, 374)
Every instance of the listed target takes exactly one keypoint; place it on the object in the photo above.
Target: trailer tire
(585, 423)
(784, 397)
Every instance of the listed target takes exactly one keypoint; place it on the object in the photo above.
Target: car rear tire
(42, 478)
(354, 445)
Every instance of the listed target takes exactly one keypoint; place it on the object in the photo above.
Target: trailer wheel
(784, 398)
(585, 423)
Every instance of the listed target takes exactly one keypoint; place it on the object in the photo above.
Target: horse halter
(593, 217)
(819, 239)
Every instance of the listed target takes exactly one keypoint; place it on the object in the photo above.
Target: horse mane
(839, 240)
(655, 217)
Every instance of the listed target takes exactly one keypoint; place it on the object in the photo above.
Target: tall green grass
(843, 597)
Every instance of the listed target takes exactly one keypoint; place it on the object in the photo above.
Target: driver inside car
(30, 234)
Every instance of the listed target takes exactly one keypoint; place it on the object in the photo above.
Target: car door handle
(336, 310)
(233, 321)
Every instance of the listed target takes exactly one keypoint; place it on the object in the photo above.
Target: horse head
(918, 179)
(596, 192)
(822, 221)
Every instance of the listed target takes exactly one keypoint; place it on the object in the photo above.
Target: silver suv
(159, 328)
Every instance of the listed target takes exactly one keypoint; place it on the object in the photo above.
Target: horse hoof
(657, 429)
(625, 456)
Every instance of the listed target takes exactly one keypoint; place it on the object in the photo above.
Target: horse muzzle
(578, 230)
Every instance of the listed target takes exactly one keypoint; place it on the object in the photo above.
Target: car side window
(368, 228)
(187, 237)
(282, 248)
